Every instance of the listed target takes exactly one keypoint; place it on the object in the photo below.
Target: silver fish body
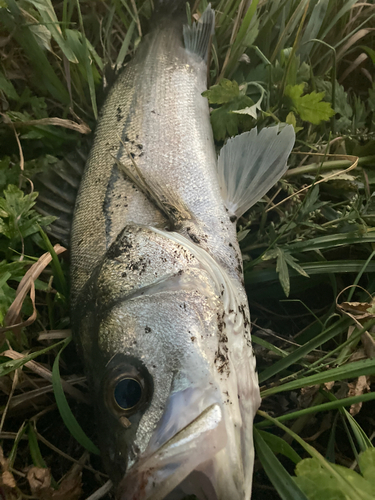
(162, 314)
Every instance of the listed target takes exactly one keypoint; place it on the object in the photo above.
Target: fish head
(159, 370)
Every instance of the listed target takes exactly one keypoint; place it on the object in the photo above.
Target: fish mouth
(157, 474)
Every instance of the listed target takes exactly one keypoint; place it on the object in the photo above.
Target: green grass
(308, 247)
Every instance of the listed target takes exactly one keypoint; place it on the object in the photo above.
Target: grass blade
(305, 349)
(350, 370)
(333, 405)
(279, 477)
(66, 413)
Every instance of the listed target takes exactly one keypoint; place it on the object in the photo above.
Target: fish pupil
(128, 393)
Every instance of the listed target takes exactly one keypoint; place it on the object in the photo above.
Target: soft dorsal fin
(197, 36)
(251, 163)
(58, 188)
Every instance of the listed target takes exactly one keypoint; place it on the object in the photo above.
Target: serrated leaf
(342, 105)
(223, 92)
(17, 214)
(226, 123)
(291, 261)
(291, 120)
(310, 107)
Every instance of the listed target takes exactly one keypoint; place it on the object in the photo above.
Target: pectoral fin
(251, 163)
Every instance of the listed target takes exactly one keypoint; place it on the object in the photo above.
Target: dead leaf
(361, 310)
(40, 482)
(360, 386)
(70, 487)
(306, 395)
(13, 316)
(7, 481)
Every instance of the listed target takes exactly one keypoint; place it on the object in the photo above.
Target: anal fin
(251, 163)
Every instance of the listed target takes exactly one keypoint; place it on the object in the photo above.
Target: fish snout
(158, 473)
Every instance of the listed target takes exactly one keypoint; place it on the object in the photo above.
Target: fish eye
(127, 387)
(127, 393)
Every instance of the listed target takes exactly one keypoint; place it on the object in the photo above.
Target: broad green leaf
(223, 92)
(316, 481)
(366, 464)
(310, 107)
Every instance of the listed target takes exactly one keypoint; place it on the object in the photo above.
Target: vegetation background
(308, 246)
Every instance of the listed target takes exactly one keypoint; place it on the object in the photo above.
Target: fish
(158, 303)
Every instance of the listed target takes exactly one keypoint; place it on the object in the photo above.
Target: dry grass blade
(352, 41)
(354, 159)
(13, 316)
(101, 492)
(47, 375)
(82, 127)
(357, 62)
(55, 335)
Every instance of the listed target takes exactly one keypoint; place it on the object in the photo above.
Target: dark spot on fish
(192, 236)
(152, 111)
(147, 329)
(139, 146)
(193, 338)
(230, 244)
(123, 275)
(119, 116)
(233, 218)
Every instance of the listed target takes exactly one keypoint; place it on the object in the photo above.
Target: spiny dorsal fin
(197, 37)
(58, 188)
(251, 163)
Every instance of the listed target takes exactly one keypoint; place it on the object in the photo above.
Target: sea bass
(158, 301)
